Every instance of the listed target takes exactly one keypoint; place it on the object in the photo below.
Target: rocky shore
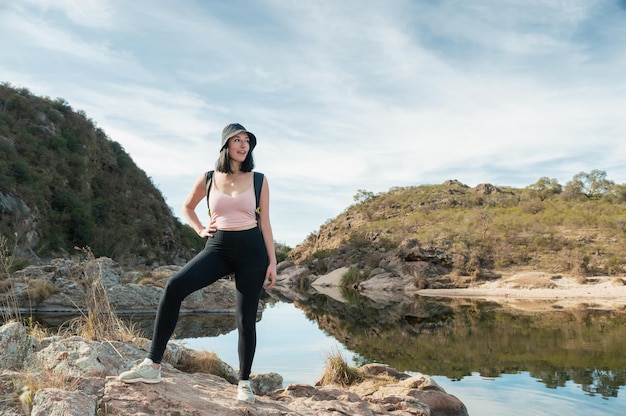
(73, 375)
(56, 375)
(76, 376)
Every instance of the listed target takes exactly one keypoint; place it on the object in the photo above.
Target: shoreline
(542, 291)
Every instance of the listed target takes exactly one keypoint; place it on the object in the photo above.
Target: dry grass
(337, 371)
(31, 382)
(6, 286)
(39, 290)
(99, 321)
(203, 362)
(10, 304)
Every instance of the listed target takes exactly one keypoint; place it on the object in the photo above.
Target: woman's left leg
(249, 277)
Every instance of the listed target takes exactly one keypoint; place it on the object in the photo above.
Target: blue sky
(342, 95)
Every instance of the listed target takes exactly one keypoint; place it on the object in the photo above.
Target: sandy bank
(545, 291)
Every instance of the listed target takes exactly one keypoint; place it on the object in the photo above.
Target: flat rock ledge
(78, 377)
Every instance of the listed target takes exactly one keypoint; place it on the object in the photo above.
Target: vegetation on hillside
(64, 183)
(578, 228)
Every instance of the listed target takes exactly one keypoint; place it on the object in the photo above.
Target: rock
(383, 370)
(291, 276)
(291, 283)
(87, 370)
(376, 271)
(75, 280)
(186, 394)
(283, 265)
(15, 345)
(74, 357)
(331, 279)
(56, 402)
(386, 288)
(266, 383)
(486, 189)
(323, 401)
(411, 395)
(440, 403)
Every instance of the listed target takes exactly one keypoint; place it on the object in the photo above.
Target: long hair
(223, 162)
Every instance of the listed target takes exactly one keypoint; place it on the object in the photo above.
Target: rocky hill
(476, 232)
(65, 184)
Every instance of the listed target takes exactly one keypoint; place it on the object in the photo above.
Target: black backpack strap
(208, 181)
(258, 184)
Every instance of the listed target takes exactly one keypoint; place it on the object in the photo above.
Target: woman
(236, 243)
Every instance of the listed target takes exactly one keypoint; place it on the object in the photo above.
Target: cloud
(342, 95)
(86, 13)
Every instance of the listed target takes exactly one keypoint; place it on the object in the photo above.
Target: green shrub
(351, 277)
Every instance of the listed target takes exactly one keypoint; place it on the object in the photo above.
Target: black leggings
(240, 252)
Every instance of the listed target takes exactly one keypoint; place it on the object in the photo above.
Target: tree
(617, 194)
(593, 185)
(362, 195)
(546, 187)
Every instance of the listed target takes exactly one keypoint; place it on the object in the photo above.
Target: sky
(342, 95)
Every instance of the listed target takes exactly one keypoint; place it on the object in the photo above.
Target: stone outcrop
(76, 376)
(398, 274)
(71, 282)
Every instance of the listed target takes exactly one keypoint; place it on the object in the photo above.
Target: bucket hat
(233, 129)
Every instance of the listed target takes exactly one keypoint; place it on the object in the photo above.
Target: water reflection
(207, 324)
(455, 338)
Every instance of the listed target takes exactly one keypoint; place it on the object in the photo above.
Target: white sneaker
(142, 372)
(244, 392)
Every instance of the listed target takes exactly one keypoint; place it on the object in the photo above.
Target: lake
(497, 364)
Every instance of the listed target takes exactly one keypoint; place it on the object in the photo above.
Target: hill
(65, 184)
(578, 228)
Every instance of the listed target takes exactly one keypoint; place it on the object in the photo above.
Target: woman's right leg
(204, 269)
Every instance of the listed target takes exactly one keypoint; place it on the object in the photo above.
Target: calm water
(291, 344)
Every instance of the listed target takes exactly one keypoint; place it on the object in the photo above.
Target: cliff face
(65, 184)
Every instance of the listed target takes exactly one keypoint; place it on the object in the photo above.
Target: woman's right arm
(197, 194)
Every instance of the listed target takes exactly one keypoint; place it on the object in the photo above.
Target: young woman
(236, 243)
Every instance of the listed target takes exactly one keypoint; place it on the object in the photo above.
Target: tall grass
(10, 305)
(31, 382)
(204, 362)
(98, 321)
(352, 277)
(337, 371)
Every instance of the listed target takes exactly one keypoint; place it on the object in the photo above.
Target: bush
(352, 277)
(204, 362)
(337, 371)
(40, 290)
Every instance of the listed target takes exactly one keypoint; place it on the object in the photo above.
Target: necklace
(234, 179)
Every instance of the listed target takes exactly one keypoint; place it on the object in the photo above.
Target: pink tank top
(233, 212)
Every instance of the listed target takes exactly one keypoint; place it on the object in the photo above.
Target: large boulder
(57, 402)
(16, 345)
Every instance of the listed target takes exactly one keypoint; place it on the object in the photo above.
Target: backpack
(258, 183)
